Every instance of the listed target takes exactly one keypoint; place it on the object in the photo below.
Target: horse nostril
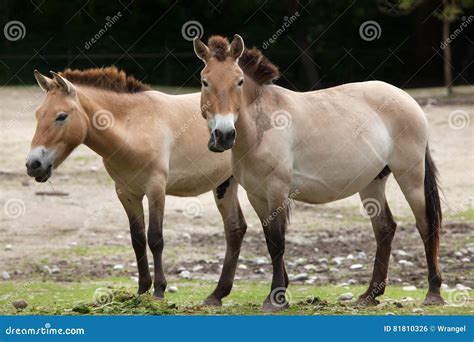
(231, 134)
(217, 134)
(35, 165)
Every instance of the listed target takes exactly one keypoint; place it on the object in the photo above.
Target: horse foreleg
(134, 209)
(156, 203)
(373, 198)
(227, 201)
(274, 221)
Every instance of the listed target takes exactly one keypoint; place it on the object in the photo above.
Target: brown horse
(148, 150)
(318, 147)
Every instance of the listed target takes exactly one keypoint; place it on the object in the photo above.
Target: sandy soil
(85, 232)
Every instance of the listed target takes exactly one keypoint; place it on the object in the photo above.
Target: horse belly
(330, 175)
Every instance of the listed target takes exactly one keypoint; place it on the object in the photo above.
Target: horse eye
(240, 82)
(204, 83)
(61, 117)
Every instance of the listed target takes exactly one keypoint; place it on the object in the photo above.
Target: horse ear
(237, 47)
(44, 82)
(201, 50)
(64, 83)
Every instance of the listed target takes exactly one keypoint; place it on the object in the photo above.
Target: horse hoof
(433, 299)
(212, 301)
(366, 301)
(158, 294)
(271, 306)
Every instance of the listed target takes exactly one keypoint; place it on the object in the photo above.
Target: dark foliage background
(147, 40)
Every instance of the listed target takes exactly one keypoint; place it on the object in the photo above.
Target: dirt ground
(85, 232)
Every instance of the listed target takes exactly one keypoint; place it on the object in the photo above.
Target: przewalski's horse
(148, 150)
(318, 147)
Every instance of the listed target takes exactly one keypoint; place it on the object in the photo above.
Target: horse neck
(246, 126)
(107, 138)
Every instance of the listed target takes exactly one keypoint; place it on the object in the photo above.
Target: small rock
(47, 269)
(406, 263)
(322, 260)
(197, 268)
(260, 261)
(5, 275)
(242, 267)
(173, 289)
(338, 216)
(409, 288)
(181, 269)
(345, 297)
(185, 275)
(93, 169)
(390, 314)
(19, 304)
(458, 254)
(186, 236)
(407, 299)
(461, 287)
(466, 260)
(300, 261)
(356, 266)
(444, 286)
(361, 255)
(301, 277)
(400, 253)
(259, 271)
(350, 257)
(8, 247)
(337, 260)
(135, 279)
(310, 267)
(55, 270)
(118, 267)
(352, 281)
(417, 310)
(119, 236)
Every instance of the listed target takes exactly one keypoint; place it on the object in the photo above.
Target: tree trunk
(448, 76)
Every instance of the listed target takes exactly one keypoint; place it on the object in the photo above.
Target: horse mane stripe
(253, 63)
(108, 78)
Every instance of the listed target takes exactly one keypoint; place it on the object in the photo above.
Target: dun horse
(147, 149)
(319, 147)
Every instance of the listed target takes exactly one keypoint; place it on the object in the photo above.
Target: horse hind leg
(418, 182)
(375, 203)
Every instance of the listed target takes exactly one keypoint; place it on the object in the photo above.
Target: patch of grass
(116, 296)
(90, 251)
(466, 215)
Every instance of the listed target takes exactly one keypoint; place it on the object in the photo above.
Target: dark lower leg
(235, 228)
(137, 232)
(434, 275)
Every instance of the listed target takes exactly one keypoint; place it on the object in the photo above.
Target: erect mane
(253, 63)
(109, 78)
